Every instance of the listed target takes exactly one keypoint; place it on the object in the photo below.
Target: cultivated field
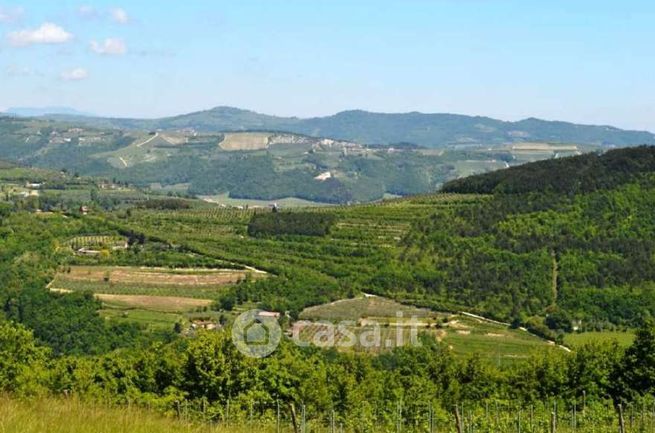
(379, 324)
(155, 289)
(97, 242)
(624, 339)
(226, 200)
(127, 279)
(364, 308)
(245, 141)
(164, 304)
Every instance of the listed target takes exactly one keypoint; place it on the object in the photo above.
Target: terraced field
(367, 307)
(161, 304)
(97, 242)
(363, 237)
(124, 280)
(245, 141)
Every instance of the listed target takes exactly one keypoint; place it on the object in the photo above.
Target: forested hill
(584, 173)
(429, 130)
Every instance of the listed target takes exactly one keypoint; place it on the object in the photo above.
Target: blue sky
(582, 61)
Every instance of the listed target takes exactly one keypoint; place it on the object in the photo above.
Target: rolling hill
(238, 154)
(244, 165)
(429, 130)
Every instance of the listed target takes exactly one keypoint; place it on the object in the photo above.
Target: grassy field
(467, 336)
(71, 416)
(54, 415)
(624, 339)
(164, 304)
(152, 320)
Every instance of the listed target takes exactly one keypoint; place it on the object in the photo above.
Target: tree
(22, 361)
(635, 374)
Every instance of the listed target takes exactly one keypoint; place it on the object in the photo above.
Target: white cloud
(110, 46)
(75, 74)
(48, 33)
(9, 15)
(119, 15)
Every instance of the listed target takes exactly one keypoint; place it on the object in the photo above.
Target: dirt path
(148, 140)
(555, 276)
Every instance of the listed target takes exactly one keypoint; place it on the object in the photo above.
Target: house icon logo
(256, 334)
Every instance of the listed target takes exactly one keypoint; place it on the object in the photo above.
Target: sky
(575, 60)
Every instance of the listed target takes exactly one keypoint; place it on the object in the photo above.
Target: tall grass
(59, 415)
(50, 415)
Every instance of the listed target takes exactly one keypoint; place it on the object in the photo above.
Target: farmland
(151, 297)
(286, 202)
(245, 141)
(140, 293)
(162, 304)
(97, 242)
(379, 324)
(157, 333)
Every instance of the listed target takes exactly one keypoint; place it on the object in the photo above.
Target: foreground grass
(55, 415)
(71, 416)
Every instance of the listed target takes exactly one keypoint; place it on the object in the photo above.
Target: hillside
(267, 166)
(429, 130)
(101, 307)
(577, 174)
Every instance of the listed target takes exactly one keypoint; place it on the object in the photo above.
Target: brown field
(154, 289)
(245, 141)
(166, 304)
(155, 276)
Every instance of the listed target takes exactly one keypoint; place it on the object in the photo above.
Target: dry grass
(71, 416)
(166, 304)
(245, 141)
(151, 276)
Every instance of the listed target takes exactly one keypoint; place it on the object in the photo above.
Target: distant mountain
(45, 111)
(429, 130)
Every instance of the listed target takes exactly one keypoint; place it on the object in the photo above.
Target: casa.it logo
(256, 334)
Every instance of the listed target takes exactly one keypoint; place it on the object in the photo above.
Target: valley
(385, 216)
(158, 281)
